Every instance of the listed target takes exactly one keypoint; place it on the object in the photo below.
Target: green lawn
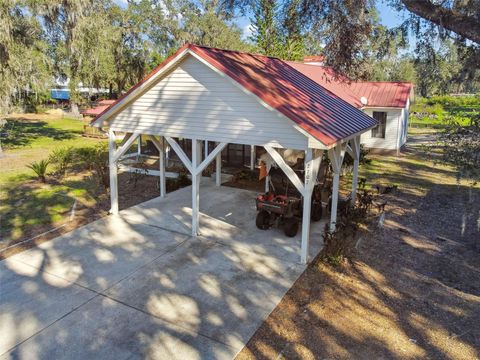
(32, 137)
(25, 203)
(437, 112)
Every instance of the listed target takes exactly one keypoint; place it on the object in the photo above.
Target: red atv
(284, 210)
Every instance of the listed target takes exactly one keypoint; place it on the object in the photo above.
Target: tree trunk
(450, 19)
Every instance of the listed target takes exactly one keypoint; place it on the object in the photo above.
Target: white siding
(404, 124)
(390, 142)
(193, 101)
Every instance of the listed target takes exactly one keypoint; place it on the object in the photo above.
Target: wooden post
(139, 145)
(161, 162)
(113, 172)
(307, 204)
(356, 162)
(195, 186)
(333, 214)
(252, 157)
(206, 148)
(336, 156)
(218, 169)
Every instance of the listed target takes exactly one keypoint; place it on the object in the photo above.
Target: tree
(24, 65)
(62, 20)
(207, 23)
(277, 32)
(343, 27)
(461, 17)
(265, 34)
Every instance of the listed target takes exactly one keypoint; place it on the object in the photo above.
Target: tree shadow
(22, 132)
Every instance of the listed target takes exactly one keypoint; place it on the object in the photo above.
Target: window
(379, 131)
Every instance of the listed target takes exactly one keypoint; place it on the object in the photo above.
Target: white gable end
(194, 101)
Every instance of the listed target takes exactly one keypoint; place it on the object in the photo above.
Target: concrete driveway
(137, 285)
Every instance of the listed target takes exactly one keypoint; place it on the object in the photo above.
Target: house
(387, 102)
(213, 96)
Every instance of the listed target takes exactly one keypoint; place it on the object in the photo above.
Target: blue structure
(60, 94)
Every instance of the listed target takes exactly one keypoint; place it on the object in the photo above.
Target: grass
(31, 137)
(25, 203)
(438, 112)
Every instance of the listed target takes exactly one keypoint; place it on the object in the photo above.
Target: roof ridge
(190, 45)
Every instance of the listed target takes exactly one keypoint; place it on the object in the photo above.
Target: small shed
(228, 97)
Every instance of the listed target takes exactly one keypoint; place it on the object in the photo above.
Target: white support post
(218, 169)
(252, 157)
(333, 214)
(113, 172)
(160, 145)
(356, 162)
(267, 184)
(336, 156)
(161, 164)
(206, 148)
(139, 145)
(307, 204)
(195, 187)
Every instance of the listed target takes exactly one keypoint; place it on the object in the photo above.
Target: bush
(62, 159)
(339, 244)
(40, 168)
(98, 161)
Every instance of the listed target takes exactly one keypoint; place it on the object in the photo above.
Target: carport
(212, 95)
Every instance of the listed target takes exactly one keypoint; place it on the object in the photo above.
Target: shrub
(62, 158)
(84, 156)
(99, 163)
(40, 168)
(339, 244)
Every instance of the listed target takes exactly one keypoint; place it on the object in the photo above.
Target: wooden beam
(122, 149)
(218, 169)
(113, 172)
(218, 149)
(356, 164)
(286, 169)
(252, 157)
(196, 148)
(181, 154)
(307, 203)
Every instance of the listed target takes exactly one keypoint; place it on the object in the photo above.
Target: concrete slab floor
(137, 285)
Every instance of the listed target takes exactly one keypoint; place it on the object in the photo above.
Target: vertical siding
(390, 142)
(195, 101)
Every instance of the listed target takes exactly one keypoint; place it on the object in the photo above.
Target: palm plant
(40, 168)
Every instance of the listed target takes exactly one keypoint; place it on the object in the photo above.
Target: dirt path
(412, 291)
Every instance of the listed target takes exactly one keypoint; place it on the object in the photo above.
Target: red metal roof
(330, 80)
(383, 94)
(106, 102)
(97, 110)
(314, 58)
(378, 94)
(320, 112)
